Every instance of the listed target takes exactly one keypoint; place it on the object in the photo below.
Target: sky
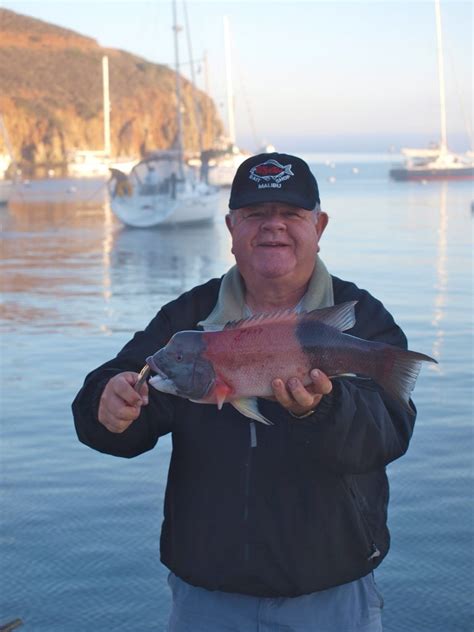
(312, 75)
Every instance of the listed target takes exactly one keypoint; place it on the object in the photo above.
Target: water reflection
(182, 256)
(107, 244)
(442, 277)
(71, 263)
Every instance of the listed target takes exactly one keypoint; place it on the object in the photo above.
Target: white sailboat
(162, 189)
(83, 163)
(224, 161)
(436, 163)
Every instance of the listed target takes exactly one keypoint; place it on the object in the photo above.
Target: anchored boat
(436, 163)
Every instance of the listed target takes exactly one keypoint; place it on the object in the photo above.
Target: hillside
(51, 96)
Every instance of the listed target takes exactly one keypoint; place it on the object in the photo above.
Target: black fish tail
(399, 379)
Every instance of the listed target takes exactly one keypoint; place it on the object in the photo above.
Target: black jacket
(269, 511)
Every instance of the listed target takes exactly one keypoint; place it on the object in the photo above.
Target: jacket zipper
(248, 467)
(374, 551)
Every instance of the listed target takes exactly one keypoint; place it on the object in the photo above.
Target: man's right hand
(120, 404)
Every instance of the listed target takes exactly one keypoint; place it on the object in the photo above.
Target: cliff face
(51, 96)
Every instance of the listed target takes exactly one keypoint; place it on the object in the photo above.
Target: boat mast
(197, 118)
(106, 98)
(179, 139)
(230, 94)
(442, 92)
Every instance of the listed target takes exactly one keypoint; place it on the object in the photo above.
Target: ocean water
(79, 529)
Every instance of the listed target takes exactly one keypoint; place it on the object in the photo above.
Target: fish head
(181, 368)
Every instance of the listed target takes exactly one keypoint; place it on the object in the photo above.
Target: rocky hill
(51, 96)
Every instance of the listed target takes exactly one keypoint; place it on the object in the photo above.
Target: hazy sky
(316, 75)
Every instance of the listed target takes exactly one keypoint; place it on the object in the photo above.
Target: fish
(270, 170)
(237, 363)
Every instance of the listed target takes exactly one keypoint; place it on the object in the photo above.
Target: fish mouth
(164, 384)
(154, 367)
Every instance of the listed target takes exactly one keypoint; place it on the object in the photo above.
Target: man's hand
(120, 404)
(298, 399)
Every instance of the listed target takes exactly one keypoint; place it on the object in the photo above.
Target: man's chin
(274, 270)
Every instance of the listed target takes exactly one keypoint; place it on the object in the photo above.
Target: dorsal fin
(281, 316)
(340, 316)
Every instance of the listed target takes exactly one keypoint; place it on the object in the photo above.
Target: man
(266, 528)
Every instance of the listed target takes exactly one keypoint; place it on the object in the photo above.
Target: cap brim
(260, 196)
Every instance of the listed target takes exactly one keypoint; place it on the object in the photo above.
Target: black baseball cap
(274, 177)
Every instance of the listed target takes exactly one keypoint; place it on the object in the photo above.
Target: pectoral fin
(221, 390)
(248, 407)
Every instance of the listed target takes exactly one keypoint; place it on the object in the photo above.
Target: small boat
(161, 190)
(85, 163)
(444, 166)
(435, 163)
(222, 164)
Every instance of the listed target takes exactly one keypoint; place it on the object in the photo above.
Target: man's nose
(273, 221)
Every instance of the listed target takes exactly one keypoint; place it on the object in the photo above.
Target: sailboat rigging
(162, 189)
(436, 163)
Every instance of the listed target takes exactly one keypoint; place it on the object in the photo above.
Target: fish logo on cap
(270, 174)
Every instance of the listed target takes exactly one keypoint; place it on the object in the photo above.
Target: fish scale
(249, 359)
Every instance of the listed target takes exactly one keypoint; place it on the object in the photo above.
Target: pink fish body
(238, 363)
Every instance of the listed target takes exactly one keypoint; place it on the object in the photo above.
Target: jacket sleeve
(357, 428)
(155, 420)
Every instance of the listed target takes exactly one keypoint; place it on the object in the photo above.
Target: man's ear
(321, 223)
(230, 228)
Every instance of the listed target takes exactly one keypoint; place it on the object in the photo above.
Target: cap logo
(270, 174)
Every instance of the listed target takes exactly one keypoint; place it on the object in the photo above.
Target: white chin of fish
(163, 384)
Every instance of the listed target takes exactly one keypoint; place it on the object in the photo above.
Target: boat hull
(145, 211)
(405, 174)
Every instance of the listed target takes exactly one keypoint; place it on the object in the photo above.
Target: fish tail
(400, 374)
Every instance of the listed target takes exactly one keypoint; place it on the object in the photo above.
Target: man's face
(274, 240)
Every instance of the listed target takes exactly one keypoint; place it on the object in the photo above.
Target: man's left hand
(298, 399)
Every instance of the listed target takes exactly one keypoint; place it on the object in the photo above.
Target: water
(79, 538)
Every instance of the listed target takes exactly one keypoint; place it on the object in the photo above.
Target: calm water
(79, 537)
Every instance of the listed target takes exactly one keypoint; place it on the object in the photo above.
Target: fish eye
(179, 357)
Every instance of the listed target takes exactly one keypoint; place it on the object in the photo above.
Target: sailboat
(90, 163)
(163, 189)
(436, 163)
(224, 160)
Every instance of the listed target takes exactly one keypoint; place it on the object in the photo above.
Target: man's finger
(299, 392)
(322, 384)
(281, 393)
(123, 388)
